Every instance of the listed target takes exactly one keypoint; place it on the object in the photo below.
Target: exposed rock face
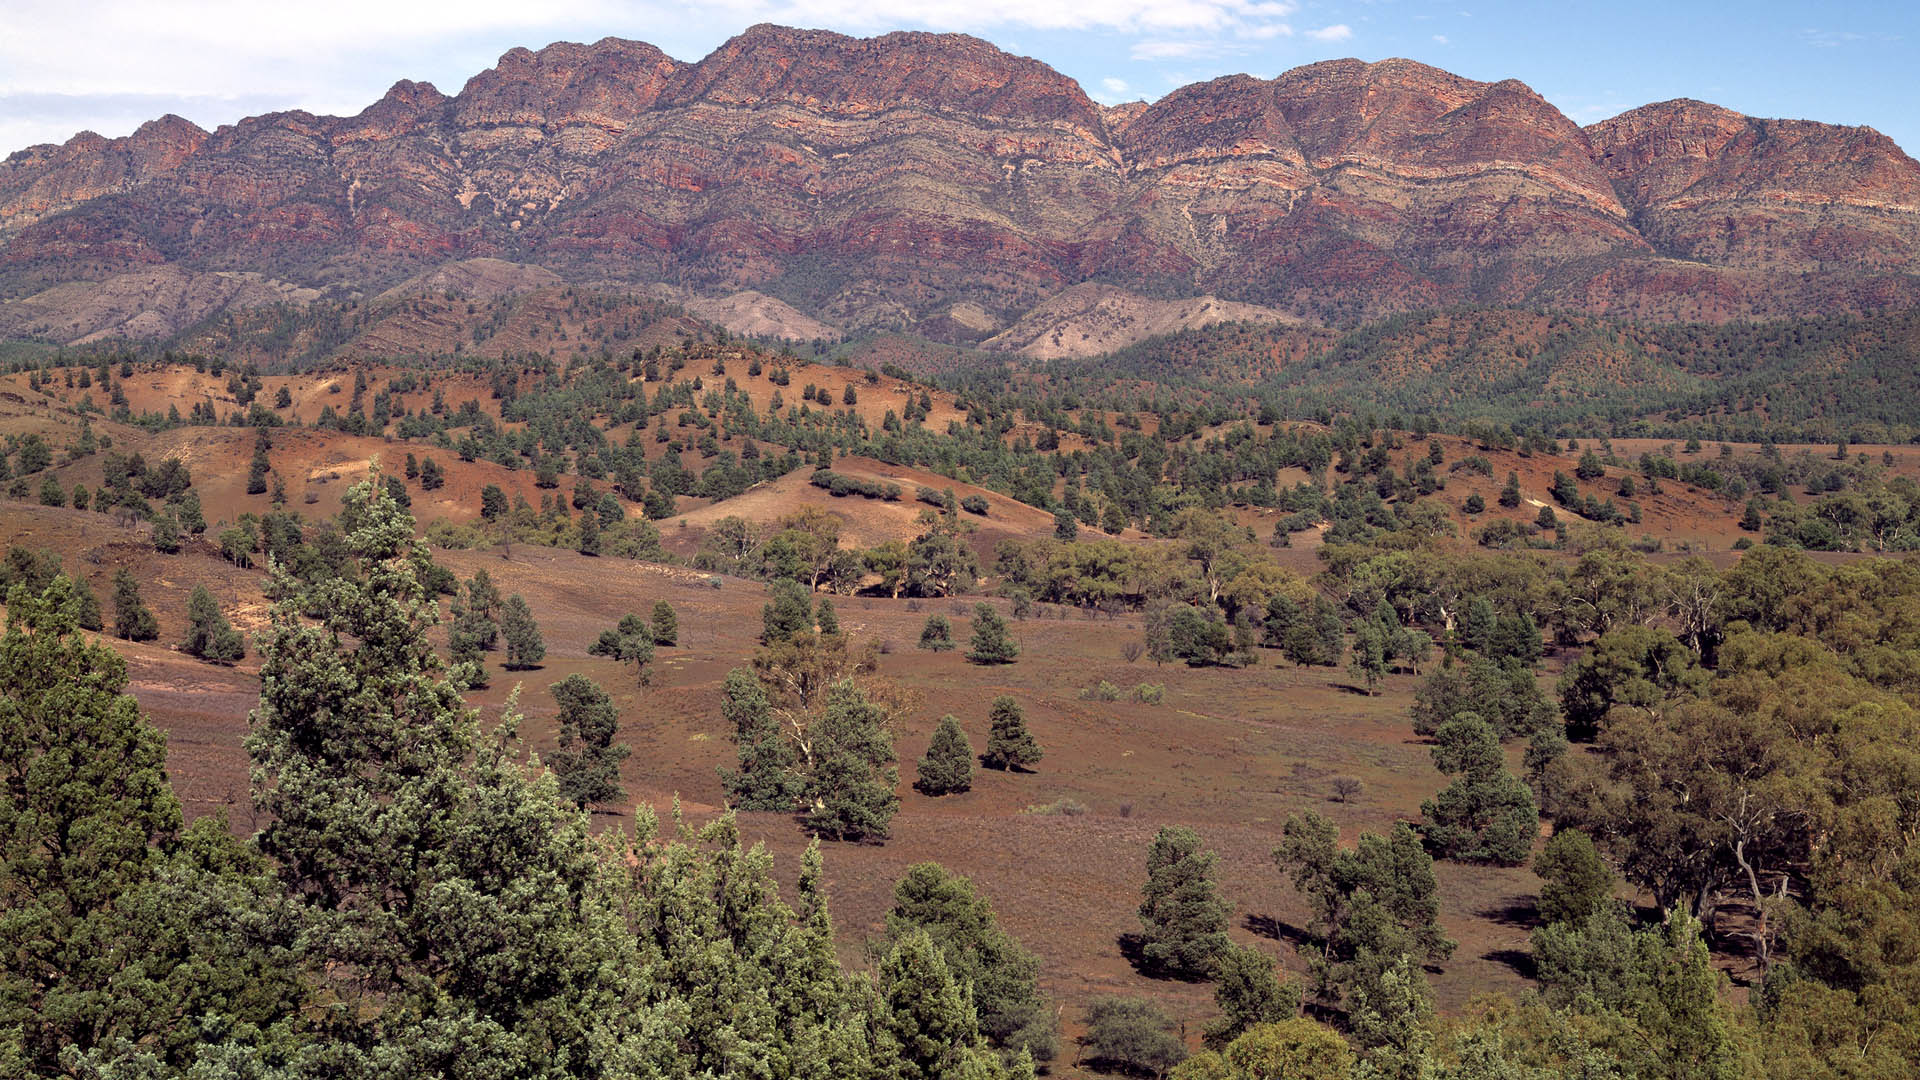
(1090, 319)
(892, 182)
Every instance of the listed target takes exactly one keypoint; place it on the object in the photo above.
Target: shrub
(1132, 1033)
(937, 634)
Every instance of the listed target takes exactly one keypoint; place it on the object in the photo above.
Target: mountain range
(935, 184)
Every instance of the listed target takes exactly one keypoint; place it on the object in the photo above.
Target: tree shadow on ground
(1519, 961)
(1277, 930)
(1520, 910)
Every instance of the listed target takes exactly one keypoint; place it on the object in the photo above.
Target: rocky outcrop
(888, 183)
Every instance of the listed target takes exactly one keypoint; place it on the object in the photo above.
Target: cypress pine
(948, 765)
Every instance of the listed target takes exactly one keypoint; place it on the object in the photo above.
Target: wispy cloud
(1440, 39)
(1336, 32)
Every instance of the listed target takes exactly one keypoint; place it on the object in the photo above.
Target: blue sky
(107, 65)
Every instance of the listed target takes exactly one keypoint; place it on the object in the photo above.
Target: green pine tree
(589, 534)
(1009, 744)
(1183, 921)
(121, 933)
(131, 618)
(666, 625)
(925, 1027)
(1487, 814)
(525, 647)
(446, 901)
(1248, 993)
(948, 764)
(850, 784)
(765, 779)
(937, 634)
(1013, 1015)
(992, 642)
(587, 763)
(787, 614)
(209, 635)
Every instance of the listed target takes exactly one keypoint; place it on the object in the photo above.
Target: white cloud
(1440, 39)
(1115, 88)
(1336, 32)
(1175, 50)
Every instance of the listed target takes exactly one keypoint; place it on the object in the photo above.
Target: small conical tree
(166, 535)
(850, 787)
(765, 779)
(1009, 744)
(1575, 879)
(937, 635)
(587, 763)
(1183, 921)
(788, 613)
(826, 618)
(666, 625)
(948, 766)
(131, 618)
(525, 647)
(589, 534)
(992, 642)
(209, 635)
(88, 612)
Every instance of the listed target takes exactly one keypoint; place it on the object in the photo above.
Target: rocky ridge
(890, 183)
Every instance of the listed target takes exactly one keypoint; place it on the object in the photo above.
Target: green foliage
(120, 931)
(1293, 1049)
(1371, 905)
(992, 641)
(1009, 744)
(1013, 1016)
(1634, 666)
(525, 647)
(388, 807)
(587, 764)
(589, 529)
(166, 535)
(666, 625)
(926, 1028)
(493, 503)
(948, 764)
(1132, 1034)
(132, 619)
(1575, 881)
(1183, 921)
(937, 634)
(209, 635)
(765, 779)
(787, 614)
(631, 641)
(1486, 814)
(1248, 994)
(1200, 639)
(1505, 695)
(850, 783)
(1658, 982)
